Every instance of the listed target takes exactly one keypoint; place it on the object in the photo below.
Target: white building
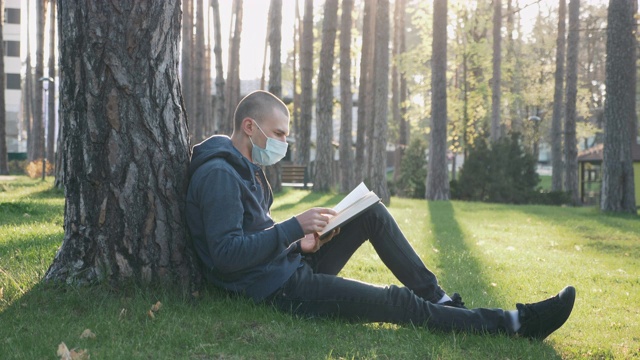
(12, 66)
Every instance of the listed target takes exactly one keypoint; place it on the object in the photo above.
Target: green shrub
(501, 173)
(413, 170)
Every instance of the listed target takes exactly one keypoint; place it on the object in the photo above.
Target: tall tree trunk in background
(346, 99)
(381, 103)
(198, 111)
(303, 143)
(437, 175)
(324, 104)
(570, 143)
(127, 145)
(232, 92)
(187, 65)
(556, 120)
(618, 190)
(296, 93)
(399, 86)
(363, 88)
(4, 160)
(38, 120)
(275, 76)
(217, 50)
(369, 94)
(27, 90)
(209, 119)
(263, 77)
(497, 72)
(51, 93)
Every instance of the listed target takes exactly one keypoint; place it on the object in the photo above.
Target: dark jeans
(315, 290)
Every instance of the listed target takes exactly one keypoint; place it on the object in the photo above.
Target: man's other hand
(311, 243)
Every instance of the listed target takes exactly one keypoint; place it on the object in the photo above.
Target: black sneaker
(540, 319)
(456, 301)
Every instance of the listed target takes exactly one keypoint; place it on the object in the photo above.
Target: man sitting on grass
(286, 264)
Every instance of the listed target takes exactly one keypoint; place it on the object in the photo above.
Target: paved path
(7, 178)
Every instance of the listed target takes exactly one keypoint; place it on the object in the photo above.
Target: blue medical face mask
(273, 152)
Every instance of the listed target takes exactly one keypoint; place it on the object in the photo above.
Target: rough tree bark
(187, 64)
(437, 175)
(127, 144)
(399, 86)
(37, 131)
(618, 190)
(303, 142)
(4, 161)
(200, 93)
(324, 104)
(346, 99)
(369, 93)
(556, 120)
(570, 142)
(51, 93)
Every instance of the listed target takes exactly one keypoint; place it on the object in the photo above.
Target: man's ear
(247, 126)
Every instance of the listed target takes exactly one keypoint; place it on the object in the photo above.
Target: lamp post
(45, 85)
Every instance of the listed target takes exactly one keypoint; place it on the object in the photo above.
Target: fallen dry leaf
(81, 354)
(26, 215)
(1, 293)
(63, 352)
(156, 307)
(123, 313)
(150, 314)
(87, 334)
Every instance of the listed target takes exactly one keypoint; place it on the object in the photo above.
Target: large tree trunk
(497, 73)
(303, 142)
(296, 93)
(346, 99)
(399, 86)
(381, 102)
(37, 132)
(187, 65)
(232, 92)
(217, 50)
(369, 94)
(324, 106)
(363, 89)
(618, 191)
(438, 175)
(556, 120)
(51, 93)
(201, 92)
(275, 77)
(27, 90)
(4, 161)
(127, 144)
(570, 142)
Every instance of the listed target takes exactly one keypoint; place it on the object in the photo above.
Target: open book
(358, 200)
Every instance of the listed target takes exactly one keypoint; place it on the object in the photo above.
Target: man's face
(274, 125)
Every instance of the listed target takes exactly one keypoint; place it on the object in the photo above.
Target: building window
(12, 48)
(12, 16)
(13, 81)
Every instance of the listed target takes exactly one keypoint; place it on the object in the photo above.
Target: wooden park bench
(295, 175)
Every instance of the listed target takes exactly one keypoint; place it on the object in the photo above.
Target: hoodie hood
(220, 146)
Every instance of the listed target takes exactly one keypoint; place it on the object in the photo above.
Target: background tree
(201, 93)
(188, 89)
(361, 168)
(217, 50)
(127, 144)
(4, 161)
(381, 103)
(399, 86)
(303, 142)
(346, 99)
(275, 76)
(296, 92)
(618, 192)
(232, 92)
(37, 131)
(437, 173)
(27, 90)
(51, 92)
(497, 72)
(370, 93)
(570, 143)
(323, 176)
(556, 120)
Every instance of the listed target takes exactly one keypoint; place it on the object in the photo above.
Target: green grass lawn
(494, 255)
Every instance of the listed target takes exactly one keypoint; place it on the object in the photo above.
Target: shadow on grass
(461, 269)
(314, 199)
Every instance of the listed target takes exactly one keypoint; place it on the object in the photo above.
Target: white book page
(360, 191)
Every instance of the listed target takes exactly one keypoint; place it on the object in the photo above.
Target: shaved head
(257, 105)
